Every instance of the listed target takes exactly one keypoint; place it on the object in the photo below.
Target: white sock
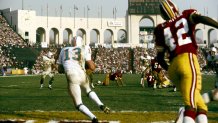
(201, 118)
(94, 97)
(86, 111)
(155, 86)
(187, 119)
(142, 81)
(206, 97)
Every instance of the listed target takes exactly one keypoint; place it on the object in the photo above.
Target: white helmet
(213, 49)
(79, 41)
(49, 54)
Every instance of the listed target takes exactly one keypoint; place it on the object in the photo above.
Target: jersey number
(181, 33)
(76, 54)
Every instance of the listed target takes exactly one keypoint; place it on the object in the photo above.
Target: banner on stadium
(44, 45)
(115, 23)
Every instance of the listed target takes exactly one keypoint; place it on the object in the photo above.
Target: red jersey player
(176, 36)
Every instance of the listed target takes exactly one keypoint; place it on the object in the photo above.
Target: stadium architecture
(125, 31)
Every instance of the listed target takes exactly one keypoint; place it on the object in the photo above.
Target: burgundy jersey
(177, 35)
(115, 75)
(150, 79)
(155, 66)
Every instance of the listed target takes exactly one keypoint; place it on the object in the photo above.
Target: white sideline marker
(82, 121)
(164, 121)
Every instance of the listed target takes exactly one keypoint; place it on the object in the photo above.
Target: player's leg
(93, 96)
(75, 78)
(142, 82)
(181, 73)
(42, 80)
(51, 75)
(75, 92)
(121, 80)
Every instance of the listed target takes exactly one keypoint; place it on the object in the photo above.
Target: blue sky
(207, 7)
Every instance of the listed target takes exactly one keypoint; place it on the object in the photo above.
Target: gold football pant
(184, 71)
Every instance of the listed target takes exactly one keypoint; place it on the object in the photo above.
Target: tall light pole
(22, 5)
(88, 16)
(74, 12)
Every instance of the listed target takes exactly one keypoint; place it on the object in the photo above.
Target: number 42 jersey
(177, 34)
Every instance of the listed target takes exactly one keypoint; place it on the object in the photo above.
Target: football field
(22, 100)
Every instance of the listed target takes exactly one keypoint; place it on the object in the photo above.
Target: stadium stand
(16, 53)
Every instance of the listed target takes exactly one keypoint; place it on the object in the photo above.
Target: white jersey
(47, 62)
(74, 57)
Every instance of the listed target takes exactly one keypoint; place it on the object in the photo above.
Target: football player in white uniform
(73, 60)
(48, 61)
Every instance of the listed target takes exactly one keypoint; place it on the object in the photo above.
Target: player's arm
(197, 18)
(60, 68)
(161, 57)
(59, 62)
(90, 65)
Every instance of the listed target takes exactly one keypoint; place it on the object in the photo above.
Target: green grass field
(21, 98)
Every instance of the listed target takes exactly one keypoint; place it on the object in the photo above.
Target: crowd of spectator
(112, 58)
(8, 40)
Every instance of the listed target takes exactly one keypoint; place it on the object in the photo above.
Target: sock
(201, 118)
(155, 86)
(86, 111)
(188, 119)
(189, 115)
(92, 95)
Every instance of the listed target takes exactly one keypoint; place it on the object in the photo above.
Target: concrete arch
(121, 36)
(129, 23)
(54, 36)
(40, 35)
(82, 32)
(108, 36)
(146, 28)
(67, 35)
(199, 36)
(149, 18)
(212, 36)
(94, 36)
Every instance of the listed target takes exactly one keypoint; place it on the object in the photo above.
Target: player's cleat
(155, 86)
(174, 89)
(92, 85)
(95, 120)
(50, 87)
(41, 86)
(105, 109)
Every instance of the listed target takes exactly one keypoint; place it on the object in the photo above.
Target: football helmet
(49, 54)
(168, 9)
(77, 41)
(213, 51)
